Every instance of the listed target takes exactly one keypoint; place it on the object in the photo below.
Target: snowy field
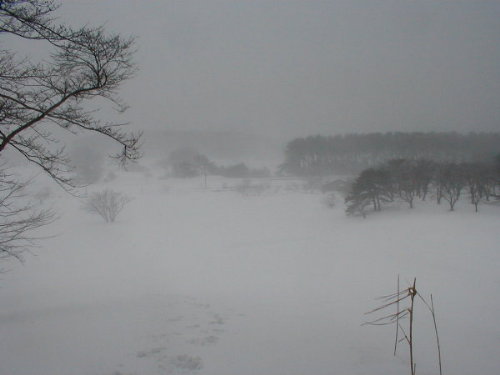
(215, 282)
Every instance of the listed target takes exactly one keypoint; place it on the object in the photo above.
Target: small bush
(107, 204)
(246, 187)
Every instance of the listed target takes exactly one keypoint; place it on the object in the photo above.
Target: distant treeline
(186, 162)
(410, 180)
(351, 153)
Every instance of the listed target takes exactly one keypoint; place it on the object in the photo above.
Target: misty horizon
(292, 69)
(248, 187)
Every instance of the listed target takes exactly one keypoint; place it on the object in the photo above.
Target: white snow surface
(214, 282)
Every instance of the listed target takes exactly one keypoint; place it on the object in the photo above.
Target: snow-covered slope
(195, 281)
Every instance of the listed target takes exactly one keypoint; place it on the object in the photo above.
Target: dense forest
(352, 153)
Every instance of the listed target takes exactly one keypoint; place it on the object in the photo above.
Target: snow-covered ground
(216, 282)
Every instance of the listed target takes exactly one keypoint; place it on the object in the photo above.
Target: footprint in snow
(151, 352)
(217, 319)
(204, 341)
(185, 362)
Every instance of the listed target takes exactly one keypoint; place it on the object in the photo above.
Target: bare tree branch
(40, 98)
(86, 63)
(18, 218)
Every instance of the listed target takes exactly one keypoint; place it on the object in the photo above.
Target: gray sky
(293, 68)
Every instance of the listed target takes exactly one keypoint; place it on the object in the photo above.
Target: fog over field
(249, 187)
(296, 68)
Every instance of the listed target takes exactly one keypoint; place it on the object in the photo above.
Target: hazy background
(247, 275)
(283, 69)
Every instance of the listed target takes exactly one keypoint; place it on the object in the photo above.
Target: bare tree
(451, 181)
(107, 204)
(479, 179)
(39, 99)
(42, 97)
(18, 218)
(373, 186)
(424, 173)
(404, 180)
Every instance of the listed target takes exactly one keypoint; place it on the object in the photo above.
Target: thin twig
(413, 292)
(397, 320)
(433, 313)
(437, 336)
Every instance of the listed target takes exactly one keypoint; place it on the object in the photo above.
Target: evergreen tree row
(351, 153)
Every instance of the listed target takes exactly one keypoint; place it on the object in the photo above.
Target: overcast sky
(291, 68)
